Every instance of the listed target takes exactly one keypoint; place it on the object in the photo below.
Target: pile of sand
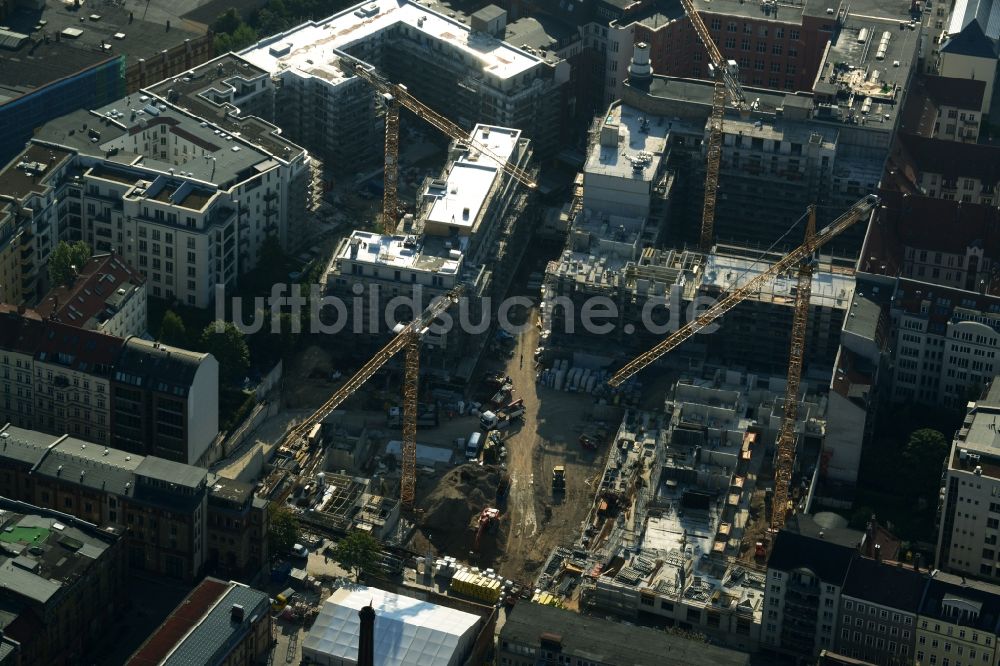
(459, 496)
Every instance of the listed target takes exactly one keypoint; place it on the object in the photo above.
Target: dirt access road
(548, 436)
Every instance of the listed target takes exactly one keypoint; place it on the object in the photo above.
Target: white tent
(408, 632)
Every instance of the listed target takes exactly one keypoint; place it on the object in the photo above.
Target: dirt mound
(459, 496)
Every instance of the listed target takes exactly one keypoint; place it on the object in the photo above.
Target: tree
(229, 347)
(63, 258)
(923, 456)
(227, 22)
(172, 330)
(283, 532)
(357, 551)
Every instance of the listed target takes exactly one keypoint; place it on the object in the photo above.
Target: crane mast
(396, 95)
(800, 258)
(407, 338)
(785, 448)
(726, 80)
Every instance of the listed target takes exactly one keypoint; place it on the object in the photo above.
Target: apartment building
(107, 295)
(141, 396)
(805, 577)
(165, 510)
(879, 605)
(471, 228)
(951, 108)
(237, 524)
(959, 622)
(182, 181)
(72, 372)
(460, 69)
(62, 585)
(940, 291)
(539, 634)
(969, 515)
(164, 401)
(217, 624)
(940, 169)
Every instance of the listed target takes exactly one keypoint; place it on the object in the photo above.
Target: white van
(472, 446)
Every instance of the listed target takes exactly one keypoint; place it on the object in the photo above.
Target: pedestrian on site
(522, 360)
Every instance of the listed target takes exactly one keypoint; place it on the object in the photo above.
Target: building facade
(164, 401)
(145, 397)
(161, 507)
(967, 539)
(958, 622)
(471, 228)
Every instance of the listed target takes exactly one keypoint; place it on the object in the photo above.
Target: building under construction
(472, 225)
(463, 70)
(339, 503)
(679, 509)
(826, 145)
(626, 209)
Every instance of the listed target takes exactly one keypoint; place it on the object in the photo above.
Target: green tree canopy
(229, 347)
(923, 457)
(172, 330)
(357, 551)
(63, 258)
(283, 531)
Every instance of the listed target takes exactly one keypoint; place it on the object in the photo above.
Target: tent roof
(408, 632)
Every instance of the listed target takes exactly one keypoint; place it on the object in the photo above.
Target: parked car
(300, 551)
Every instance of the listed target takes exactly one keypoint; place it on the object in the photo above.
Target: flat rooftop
(196, 93)
(56, 55)
(792, 12)
(28, 173)
(410, 252)
(471, 179)
(829, 289)
(631, 145)
(301, 48)
(596, 639)
(40, 556)
(868, 68)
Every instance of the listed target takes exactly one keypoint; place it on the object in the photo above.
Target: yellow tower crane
(800, 258)
(726, 78)
(408, 337)
(394, 96)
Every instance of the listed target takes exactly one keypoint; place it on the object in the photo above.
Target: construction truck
(489, 521)
(427, 416)
(502, 418)
(559, 479)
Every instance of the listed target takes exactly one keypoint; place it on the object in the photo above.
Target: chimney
(366, 640)
(237, 614)
(640, 72)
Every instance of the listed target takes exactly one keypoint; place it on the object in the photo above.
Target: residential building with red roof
(108, 296)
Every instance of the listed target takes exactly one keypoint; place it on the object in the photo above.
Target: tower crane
(800, 258)
(407, 337)
(395, 95)
(726, 80)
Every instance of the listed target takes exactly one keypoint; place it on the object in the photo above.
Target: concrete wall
(203, 409)
(845, 427)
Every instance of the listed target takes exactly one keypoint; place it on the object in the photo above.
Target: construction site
(539, 456)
